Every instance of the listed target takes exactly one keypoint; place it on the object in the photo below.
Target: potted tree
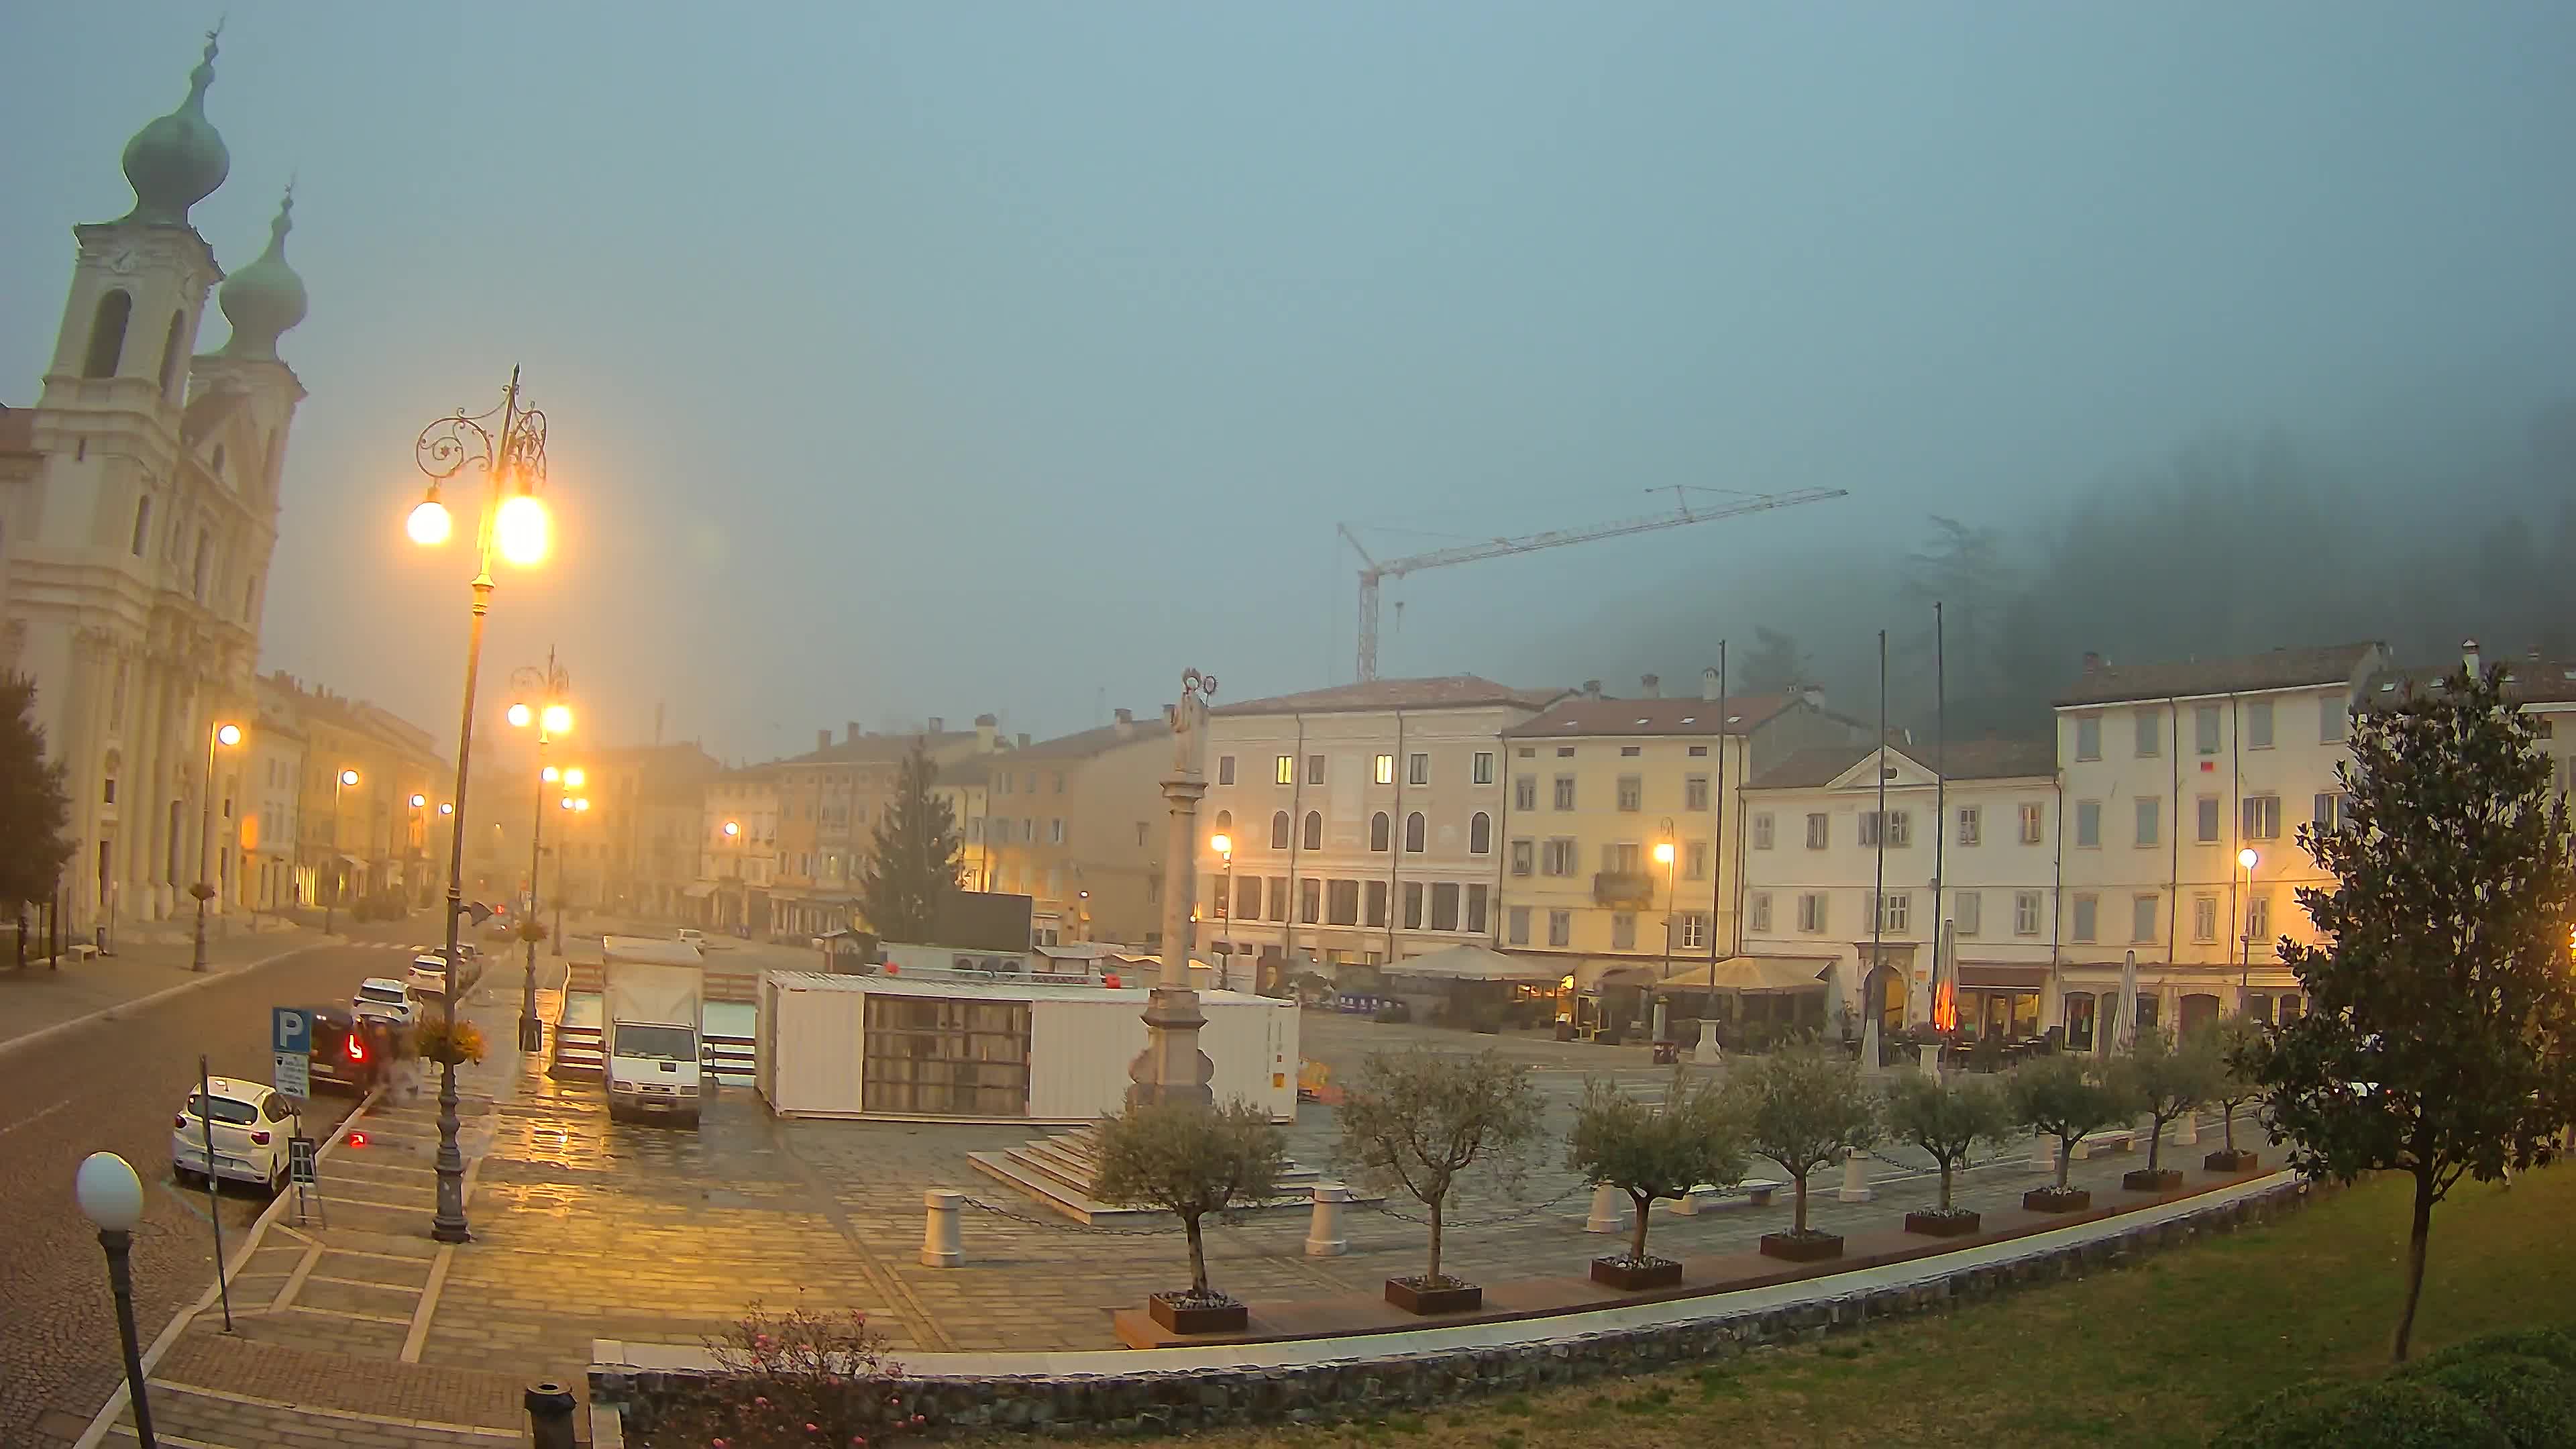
(1803, 1110)
(1418, 1121)
(2237, 1041)
(2061, 1097)
(1190, 1161)
(2164, 1079)
(1948, 1120)
(1650, 1153)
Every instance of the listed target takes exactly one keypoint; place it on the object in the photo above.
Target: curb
(150, 998)
(106, 1417)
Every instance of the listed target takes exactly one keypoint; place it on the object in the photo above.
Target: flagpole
(1942, 946)
(1878, 896)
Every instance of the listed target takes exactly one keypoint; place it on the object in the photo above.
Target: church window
(173, 351)
(107, 335)
(142, 523)
(197, 571)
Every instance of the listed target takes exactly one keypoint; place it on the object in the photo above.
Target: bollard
(939, 1244)
(2043, 1154)
(1855, 1186)
(1929, 1059)
(1324, 1229)
(1606, 1216)
(550, 1415)
(2186, 1129)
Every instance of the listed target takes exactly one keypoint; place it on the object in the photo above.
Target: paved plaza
(587, 1230)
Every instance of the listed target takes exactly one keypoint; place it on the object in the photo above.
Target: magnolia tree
(1419, 1120)
(1948, 1119)
(2166, 1080)
(1189, 1161)
(1804, 1109)
(1649, 1152)
(2065, 1097)
(2440, 1036)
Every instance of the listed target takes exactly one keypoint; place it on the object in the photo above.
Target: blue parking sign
(291, 1031)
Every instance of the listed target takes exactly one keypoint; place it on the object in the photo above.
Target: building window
(1819, 830)
(1055, 831)
(1343, 908)
(2258, 916)
(2079, 1021)
(1314, 769)
(1757, 910)
(107, 335)
(1972, 829)
(2150, 818)
(1811, 913)
(2205, 820)
(1484, 767)
(1525, 792)
(1314, 830)
(1417, 770)
(1762, 831)
(1376, 903)
(1557, 857)
(1694, 930)
(1286, 774)
(2088, 822)
(1516, 926)
(1523, 853)
(1632, 793)
(2334, 720)
(2088, 737)
(1896, 911)
(1480, 833)
(1380, 829)
(1565, 792)
(2258, 724)
(108, 794)
(2025, 913)
(2142, 919)
(142, 523)
(1565, 752)
(2262, 817)
(1900, 829)
(1310, 901)
(1623, 931)
(2334, 808)
(1413, 833)
(1413, 905)
(2204, 917)
(1695, 792)
(2086, 924)
(1225, 769)
(2204, 729)
(1620, 858)
(1279, 830)
(2033, 819)
(1384, 772)
(2150, 734)
(1967, 912)
(1476, 898)
(1695, 860)
(1631, 752)
(1560, 928)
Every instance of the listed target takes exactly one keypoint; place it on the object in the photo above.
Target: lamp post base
(532, 1035)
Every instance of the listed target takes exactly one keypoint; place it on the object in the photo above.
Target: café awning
(1471, 962)
(1749, 975)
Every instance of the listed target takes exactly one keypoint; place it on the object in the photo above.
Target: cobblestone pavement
(114, 1085)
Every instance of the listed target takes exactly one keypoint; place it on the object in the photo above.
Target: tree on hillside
(34, 811)
(1963, 569)
(2440, 1040)
(1776, 663)
(911, 869)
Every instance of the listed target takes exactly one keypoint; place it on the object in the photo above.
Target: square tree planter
(1443, 1295)
(2232, 1161)
(2163, 1179)
(1956, 1223)
(1182, 1313)
(1632, 1275)
(2052, 1200)
(1810, 1246)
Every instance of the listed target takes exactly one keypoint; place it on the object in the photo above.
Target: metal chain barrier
(1061, 1226)
(1516, 1215)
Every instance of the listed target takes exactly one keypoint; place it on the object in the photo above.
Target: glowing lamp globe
(522, 531)
(348, 777)
(520, 714)
(228, 735)
(558, 718)
(109, 1193)
(2247, 857)
(429, 524)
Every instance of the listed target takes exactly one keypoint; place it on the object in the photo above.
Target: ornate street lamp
(111, 1196)
(551, 717)
(507, 445)
(223, 736)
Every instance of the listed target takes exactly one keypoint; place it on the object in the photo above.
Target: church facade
(138, 516)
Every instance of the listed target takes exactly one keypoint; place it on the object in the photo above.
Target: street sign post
(291, 1043)
(301, 1166)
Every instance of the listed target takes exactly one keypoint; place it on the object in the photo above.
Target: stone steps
(1058, 1171)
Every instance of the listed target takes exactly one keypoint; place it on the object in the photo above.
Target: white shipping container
(1081, 1039)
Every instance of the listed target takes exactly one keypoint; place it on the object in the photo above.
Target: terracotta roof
(1807, 769)
(1083, 744)
(2105, 683)
(1979, 759)
(1448, 691)
(2527, 681)
(869, 747)
(1581, 716)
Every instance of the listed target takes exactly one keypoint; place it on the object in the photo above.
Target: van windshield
(661, 1043)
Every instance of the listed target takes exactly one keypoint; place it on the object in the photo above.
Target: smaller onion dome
(266, 298)
(177, 161)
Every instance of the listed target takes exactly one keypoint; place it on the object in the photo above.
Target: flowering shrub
(797, 1378)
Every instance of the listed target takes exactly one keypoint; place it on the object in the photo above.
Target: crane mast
(1374, 573)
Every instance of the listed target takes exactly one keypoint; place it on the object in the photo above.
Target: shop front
(2001, 1002)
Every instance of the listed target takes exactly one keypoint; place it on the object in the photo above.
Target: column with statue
(1172, 1069)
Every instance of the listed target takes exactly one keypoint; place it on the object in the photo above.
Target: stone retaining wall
(1153, 1401)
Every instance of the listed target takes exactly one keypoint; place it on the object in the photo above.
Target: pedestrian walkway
(44, 997)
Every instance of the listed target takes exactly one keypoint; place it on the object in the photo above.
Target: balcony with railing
(1623, 888)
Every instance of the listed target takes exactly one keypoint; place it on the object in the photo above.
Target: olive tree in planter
(2164, 1080)
(2064, 1097)
(1804, 1109)
(1650, 1153)
(2235, 1041)
(1190, 1162)
(1418, 1121)
(1947, 1119)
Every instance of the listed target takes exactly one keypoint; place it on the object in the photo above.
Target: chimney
(985, 726)
(1708, 687)
(822, 739)
(850, 732)
(2092, 663)
(937, 725)
(1592, 689)
(1126, 723)
(1653, 684)
(2469, 654)
(1814, 695)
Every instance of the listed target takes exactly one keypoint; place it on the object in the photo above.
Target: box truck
(651, 1003)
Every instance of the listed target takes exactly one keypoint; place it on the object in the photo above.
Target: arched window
(197, 570)
(1225, 822)
(1480, 833)
(172, 351)
(1379, 829)
(1279, 830)
(142, 523)
(1413, 833)
(250, 600)
(1314, 830)
(107, 335)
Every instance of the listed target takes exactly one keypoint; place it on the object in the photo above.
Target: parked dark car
(342, 1058)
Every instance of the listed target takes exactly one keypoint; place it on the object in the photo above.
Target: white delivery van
(652, 1000)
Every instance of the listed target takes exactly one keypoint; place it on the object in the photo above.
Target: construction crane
(1374, 573)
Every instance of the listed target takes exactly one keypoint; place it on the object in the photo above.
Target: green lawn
(2159, 1354)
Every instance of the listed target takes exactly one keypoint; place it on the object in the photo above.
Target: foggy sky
(933, 359)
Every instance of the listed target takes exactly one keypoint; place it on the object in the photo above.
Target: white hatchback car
(385, 1000)
(250, 1123)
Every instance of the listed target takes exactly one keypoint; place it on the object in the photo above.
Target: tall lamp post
(579, 805)
(417, 845)
(225, 736)
(2245, 972)
(551, 717)
(1223, 845)
(339, 782)
(1664, 858)
(111, 1196)
(511, 454)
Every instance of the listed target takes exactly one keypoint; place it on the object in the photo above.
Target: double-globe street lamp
(511, 454)
(111, 1196)
(224, 736)
(573, 779)
(338, 875)
(551, 717)
(1223, 845)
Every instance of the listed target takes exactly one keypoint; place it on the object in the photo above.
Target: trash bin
(1667, 1053)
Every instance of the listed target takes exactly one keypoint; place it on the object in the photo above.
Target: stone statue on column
(1172, 1069)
